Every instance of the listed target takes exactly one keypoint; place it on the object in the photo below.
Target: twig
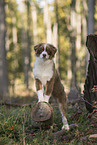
(24, 130)
(92, 136)
(1, 114)
(89, 103)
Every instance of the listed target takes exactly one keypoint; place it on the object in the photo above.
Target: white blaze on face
(45, 47)
(44, 54)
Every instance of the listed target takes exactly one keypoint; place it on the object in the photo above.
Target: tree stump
(42, 113)
(90, 87)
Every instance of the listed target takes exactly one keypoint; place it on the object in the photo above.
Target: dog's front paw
(66, 127)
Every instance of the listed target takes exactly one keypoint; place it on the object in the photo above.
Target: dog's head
(45, 50)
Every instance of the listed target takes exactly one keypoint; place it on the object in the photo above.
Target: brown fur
(38, 84)
(53, 87)
(56, 88)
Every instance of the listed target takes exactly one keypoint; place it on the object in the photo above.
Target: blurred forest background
(24, 23)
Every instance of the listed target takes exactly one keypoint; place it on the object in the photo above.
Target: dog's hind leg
(62, 107)
(59, 94)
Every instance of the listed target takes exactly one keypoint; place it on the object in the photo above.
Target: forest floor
(16, 126)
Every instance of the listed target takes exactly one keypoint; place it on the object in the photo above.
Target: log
(42, 113)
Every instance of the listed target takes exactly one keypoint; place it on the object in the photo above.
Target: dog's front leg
(39, 89)
(48, 89)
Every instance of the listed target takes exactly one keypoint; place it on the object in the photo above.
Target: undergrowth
(16, 127)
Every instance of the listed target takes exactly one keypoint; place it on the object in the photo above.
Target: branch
(62, 132)
(15, 104)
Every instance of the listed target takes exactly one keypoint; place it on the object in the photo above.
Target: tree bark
(84, 29)
(14, 33)
(90, 87)
(24, 58)
(3, 62)
(91, 4)
(55, 35)
(58, 37)
(25, 43)
(28, 42)
(73, 52)
(78, 41)
(47, 23)
(34, 18)
(78, 27)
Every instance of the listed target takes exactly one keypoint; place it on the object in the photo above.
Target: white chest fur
(43, 70)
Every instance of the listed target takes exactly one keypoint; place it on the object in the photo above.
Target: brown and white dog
(47, 78)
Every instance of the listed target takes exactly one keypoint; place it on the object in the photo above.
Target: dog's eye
(40, 50)
(49, 52)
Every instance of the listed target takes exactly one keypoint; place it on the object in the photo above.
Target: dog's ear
(37, 46)
(53, 48)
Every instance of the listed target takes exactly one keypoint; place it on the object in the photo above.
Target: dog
(47, 78)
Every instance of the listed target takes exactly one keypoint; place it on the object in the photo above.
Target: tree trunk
(28, 41)
(58, 37)
(84, 21)
(25, 43)
(47, 23)
(34, 18)
(90, 88)
(91, 4)
(78, 40)
(84, 29)
(73, 52)
(24, 58)
(78, 27)
(3, 63)
(55, 35)
(49, 32)
(14, 32)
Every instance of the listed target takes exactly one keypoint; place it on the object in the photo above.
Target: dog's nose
(44, 55)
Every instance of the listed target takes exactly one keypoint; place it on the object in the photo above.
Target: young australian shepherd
(47, 78)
